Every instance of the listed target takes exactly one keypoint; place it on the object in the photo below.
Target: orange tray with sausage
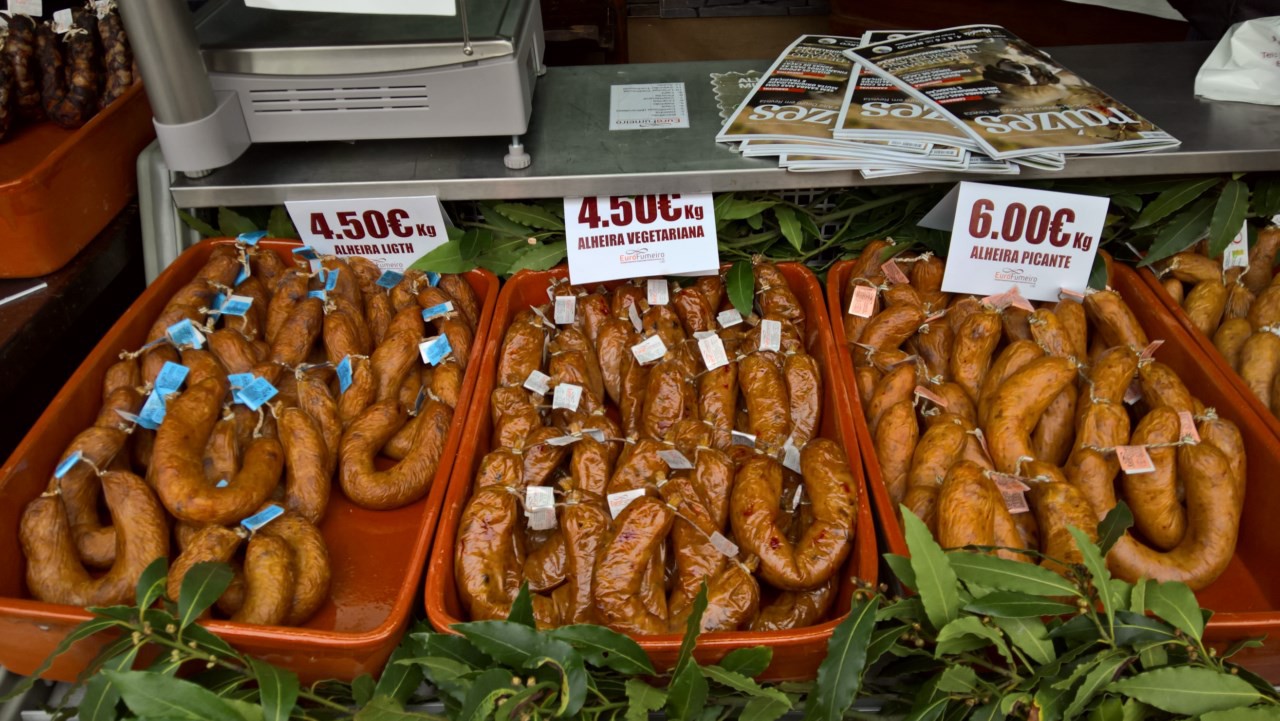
(375, 556)
(744, 506)
(1035, 468)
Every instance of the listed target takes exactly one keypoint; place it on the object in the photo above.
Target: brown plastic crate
(377, 556)
(1246, 598)
(796, 653)
(59, 188)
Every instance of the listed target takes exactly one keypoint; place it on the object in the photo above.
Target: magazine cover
(799, 96)
(1008, 96)
(874, 106)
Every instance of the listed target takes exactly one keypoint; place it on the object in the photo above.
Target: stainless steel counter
(575, 154)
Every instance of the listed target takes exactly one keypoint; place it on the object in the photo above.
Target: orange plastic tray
(1246, 598)
(1211, 352)
(59, 188)
(796, 653)
(377, 556)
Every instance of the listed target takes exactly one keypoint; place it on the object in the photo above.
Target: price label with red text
(392, 232)
(640, 236)
(1002, 237)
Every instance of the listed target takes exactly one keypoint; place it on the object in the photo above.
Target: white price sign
(644, 235)
(392, 232)
(1037, 241)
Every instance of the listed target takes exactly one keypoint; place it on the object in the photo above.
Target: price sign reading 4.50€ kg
(639, 236)
(1035, 240)
(392, 232)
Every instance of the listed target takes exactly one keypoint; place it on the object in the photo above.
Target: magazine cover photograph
(1009, 96)
(799, 96)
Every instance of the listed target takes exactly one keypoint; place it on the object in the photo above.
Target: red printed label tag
(1187, 426)
(1014, 492)
(1135, 459)
(932, 397)
(894, 273)
(863, 302)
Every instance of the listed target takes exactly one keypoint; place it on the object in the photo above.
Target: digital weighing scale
(234, 75)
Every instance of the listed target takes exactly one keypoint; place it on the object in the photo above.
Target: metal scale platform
(235, 75)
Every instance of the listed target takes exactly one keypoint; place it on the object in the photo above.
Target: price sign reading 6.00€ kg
(1035, 240)
(639, 236)
(392, 232)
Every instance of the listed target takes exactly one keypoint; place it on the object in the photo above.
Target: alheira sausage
(764, 389)
(1019, 403)
(54, 571)
(176, 470)
(754, 511)
(20, 56)
(307, 477)
(407, 481)
(1153, 497)
(636, 537)
(309, 565)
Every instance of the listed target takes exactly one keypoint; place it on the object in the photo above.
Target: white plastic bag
(1246, 64)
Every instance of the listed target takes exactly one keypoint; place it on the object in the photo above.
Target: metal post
(163, 36)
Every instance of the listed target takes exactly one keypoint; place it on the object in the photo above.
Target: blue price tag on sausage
(218, 300)
(240, 380)
(236, 305)
(184, 334)
(317, 294)
(256, 393)
(433, 279)
(331, 280)
(262, 518)
(434, 350)
(244, 274)
(170, 377)
(422, 398)
(344, 374)
(306, 252)
(65, 466)
(152, 414)
(436, 311)
(221, 484)
(389, 279)
(251, 238)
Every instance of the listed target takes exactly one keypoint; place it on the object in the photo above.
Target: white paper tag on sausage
(567, 396)
(724, 545)
(863, 302)
(713, 354)
(657, 291)
(62, 21)
(791, 456)
(538, 382)
(619, 501)
(1133, 393)
(564, 440)
(1236, 254)
(595, 433)
(634, 315)
(795, 500)
(566, 309)
(738, 438)
(894, 273)
(541, 314)
(1135, 459)
(770, 335)
(675, 460)
(540, 507)
(649, 350)
(1187, 426)
(728, 318)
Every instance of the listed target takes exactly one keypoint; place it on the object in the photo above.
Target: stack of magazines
(974, 99)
